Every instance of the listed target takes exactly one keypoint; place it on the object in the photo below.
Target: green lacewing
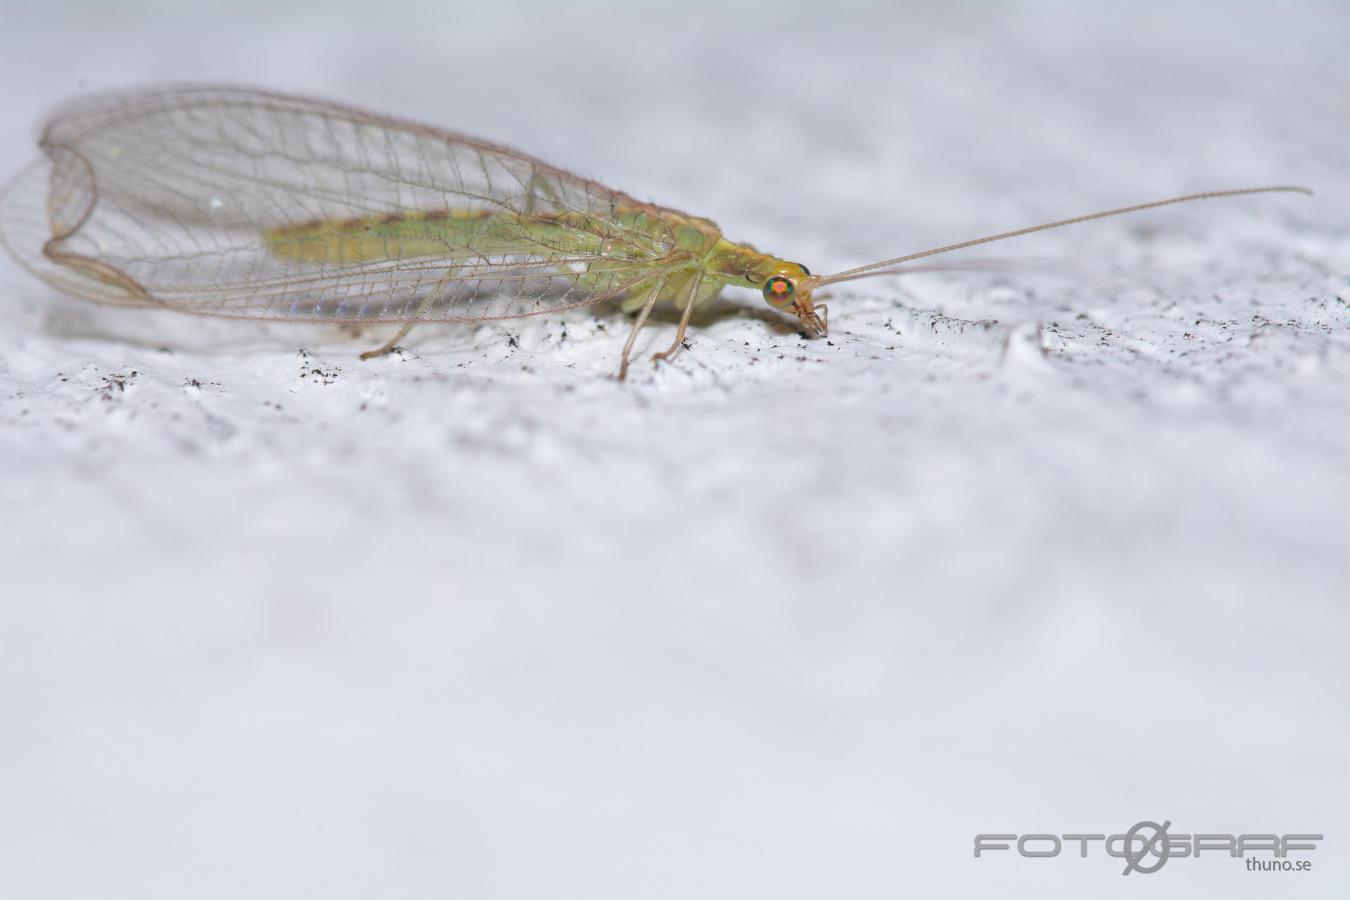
(245, 203)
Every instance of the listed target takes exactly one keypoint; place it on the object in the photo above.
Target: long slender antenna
(886, 263)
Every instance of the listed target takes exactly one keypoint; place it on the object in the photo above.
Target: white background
(1053, 545)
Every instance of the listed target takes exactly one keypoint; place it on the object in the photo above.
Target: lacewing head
(789, 289)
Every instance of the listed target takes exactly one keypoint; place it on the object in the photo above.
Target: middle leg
(678, 344)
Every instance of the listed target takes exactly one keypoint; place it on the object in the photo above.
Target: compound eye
(779, 291)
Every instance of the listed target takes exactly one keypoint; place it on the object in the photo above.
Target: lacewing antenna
(886, 266)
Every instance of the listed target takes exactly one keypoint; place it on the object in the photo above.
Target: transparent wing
(244, 203)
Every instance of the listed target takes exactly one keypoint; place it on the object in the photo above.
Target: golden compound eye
(779, 291)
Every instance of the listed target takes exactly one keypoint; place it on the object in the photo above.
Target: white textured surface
(1057, 547)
